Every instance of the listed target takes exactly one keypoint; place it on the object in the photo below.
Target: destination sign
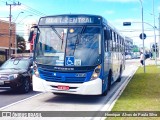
(69, 20)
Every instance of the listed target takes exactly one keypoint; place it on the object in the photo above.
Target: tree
(135, 48)
(21, 44)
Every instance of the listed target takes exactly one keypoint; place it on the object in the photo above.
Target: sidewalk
(152, 61)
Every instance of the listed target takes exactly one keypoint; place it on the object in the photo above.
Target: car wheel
(57, 93)
(25, 88)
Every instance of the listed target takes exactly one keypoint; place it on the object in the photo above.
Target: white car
(128, 57)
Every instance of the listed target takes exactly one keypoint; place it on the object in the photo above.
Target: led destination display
(69, 20)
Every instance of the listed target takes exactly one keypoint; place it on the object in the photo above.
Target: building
(5, 38)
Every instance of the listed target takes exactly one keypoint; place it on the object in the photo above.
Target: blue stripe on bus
(65, 77)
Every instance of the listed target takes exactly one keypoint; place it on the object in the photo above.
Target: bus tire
(120, 75)
(108, 84)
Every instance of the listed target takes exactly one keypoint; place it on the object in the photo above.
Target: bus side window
(107, 34)
(120, 46)
(105, 40)
(123, 46)
(110, 44)
(117, 43)
(114, 42)
(107, 37)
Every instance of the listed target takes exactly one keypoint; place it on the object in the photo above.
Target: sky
(115, 11)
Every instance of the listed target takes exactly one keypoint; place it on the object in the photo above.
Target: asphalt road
(51, 102)
(9, 96)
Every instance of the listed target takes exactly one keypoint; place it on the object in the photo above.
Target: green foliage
(135, 48)
(141, 94)
(21, 44)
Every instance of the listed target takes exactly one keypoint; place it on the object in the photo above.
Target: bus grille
(61, 77)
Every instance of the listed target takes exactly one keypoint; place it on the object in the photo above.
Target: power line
(27, 9)
(31, 10)
(34, 10)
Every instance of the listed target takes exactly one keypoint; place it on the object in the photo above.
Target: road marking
(20, 101)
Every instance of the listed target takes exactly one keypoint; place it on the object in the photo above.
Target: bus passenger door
(107, 58)
(115, 58)
(107, 51)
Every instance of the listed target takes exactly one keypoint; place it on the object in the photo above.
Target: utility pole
(159, 36)
(10, 25)
(144, 68)
(154, 35)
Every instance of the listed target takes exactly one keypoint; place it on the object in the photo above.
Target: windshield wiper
(78, 37)
(59, 36)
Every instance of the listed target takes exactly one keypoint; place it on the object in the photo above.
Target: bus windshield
(68, 46)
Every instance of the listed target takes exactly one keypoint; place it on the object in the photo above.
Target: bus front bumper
(93, 87)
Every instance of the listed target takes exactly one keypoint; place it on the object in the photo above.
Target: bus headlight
(96, 72)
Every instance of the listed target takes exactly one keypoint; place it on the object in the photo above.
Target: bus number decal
(77, 62)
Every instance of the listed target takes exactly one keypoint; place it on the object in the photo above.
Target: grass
(141, 94)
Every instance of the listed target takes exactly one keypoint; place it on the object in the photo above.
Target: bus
(77, 54)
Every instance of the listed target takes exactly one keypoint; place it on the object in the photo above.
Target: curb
(114, 98)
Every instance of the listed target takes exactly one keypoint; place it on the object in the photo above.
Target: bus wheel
(108, 84)
(120, 75)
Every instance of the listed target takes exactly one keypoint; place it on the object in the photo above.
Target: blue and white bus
(77, 54)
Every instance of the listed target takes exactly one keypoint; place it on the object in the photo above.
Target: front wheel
(25, 87)
(108, 84)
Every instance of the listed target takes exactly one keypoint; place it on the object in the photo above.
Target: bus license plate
(62, 87)
(1, 82)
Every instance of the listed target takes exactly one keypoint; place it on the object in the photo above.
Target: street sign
(126, 23)
(144, 36)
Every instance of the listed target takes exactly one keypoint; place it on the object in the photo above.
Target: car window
(16, 63)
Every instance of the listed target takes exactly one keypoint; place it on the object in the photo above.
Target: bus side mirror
(33, 28)
(30, 36)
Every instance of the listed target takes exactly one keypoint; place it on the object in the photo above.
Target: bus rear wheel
(120, 75)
